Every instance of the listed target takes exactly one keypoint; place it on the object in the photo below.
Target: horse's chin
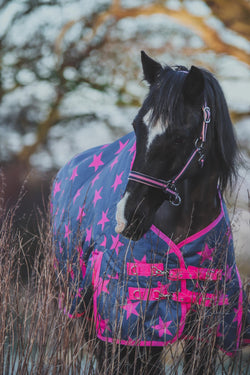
(134, 234)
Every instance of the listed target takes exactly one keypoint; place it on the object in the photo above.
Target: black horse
(168, 196)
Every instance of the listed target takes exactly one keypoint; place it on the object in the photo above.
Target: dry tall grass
(37, 338)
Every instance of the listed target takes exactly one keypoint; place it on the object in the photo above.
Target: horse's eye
(178, 140)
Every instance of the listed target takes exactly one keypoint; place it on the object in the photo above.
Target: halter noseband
(168, 187)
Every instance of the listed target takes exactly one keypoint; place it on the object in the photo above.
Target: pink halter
(169, 187)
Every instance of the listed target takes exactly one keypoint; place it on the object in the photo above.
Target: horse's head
(168, 130)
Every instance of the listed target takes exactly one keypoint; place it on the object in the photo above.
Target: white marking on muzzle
(120, 214)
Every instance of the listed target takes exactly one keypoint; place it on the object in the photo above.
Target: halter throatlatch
(168, 187)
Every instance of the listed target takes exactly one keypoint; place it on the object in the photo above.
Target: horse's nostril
(120, 214)
(120, 227)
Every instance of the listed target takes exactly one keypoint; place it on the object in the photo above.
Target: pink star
(122, 146)
(114, 163)
(116, 277)
(133, 148)
(118, 181)
(57, 187)
(71, 272)
(104, 219)
(228, 272)
(81, 213)
(78, 294)
(83, 267)
(97, 162)
(74, 174)
(131, 341)
(67, 231)
(116, 243)
(97, 195)
(130, 307)
(102, 286)
(144, 260)
(206, 254)
(95, 179)
(80, 251)
(238, 313)
(163, 287)
(77, 195)
(162, 327)
(104, 243)
(89, 234)
(102, 324)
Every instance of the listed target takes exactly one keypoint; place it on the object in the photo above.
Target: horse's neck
(200, 206)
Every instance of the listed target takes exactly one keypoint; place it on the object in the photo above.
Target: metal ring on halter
(176, 201)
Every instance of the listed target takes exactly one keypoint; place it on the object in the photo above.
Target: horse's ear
(193, 87)
(151, 68)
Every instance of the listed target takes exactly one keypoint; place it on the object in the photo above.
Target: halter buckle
(206, 114)
(170, 189)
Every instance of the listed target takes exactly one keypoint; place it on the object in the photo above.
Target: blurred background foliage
(70, 74)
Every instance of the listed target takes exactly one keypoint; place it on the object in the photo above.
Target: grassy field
(36, 337)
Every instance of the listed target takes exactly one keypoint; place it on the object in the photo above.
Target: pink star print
(57, 187)
(102, 286)
(206, 254)
(144, 260)
(104, 242)
(102, 324)
(81, 214)
(162, 327)
(116, 277)
(77, 195)
(67, 231)
(89, 234)
(118, 181)
(104, 219)
(95, 179)
(114, 163)
(238, 313)
(83, 267)
(71, 272)
(97, 196)
(122, 146)
(228, 273)
(74, 174)
(133, 148)
(116, 243)
(218, 334)
(97, 162)
(80, 251)
(131, 341)
(130, 307)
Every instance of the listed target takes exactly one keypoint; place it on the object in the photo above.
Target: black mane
(166, 101)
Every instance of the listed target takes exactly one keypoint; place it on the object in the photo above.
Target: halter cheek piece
(169, 187)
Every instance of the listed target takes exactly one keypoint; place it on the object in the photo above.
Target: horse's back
(83, 203)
